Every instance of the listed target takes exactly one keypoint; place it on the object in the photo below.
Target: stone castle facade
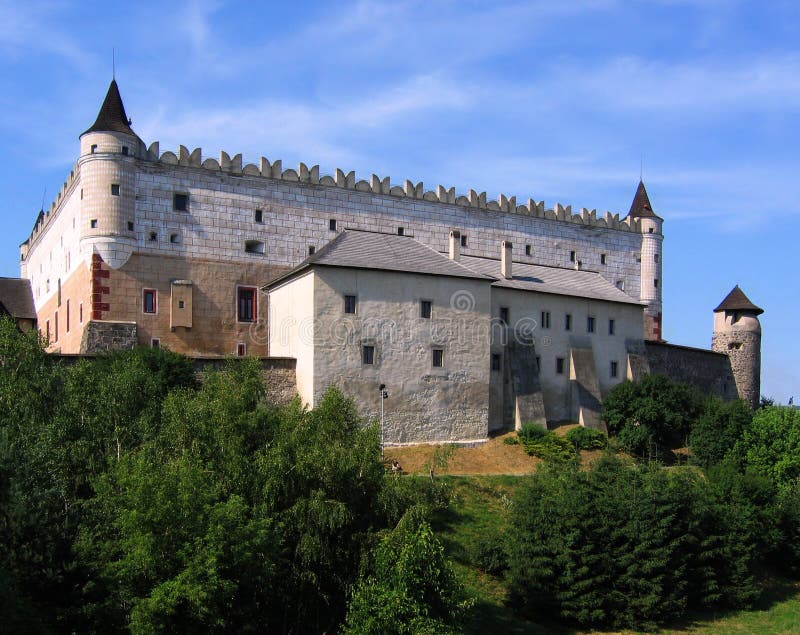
(173, 248)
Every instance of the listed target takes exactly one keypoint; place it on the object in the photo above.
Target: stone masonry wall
(709, 371)
(278, 373)
(100, 336)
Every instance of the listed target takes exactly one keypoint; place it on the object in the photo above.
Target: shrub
(490, 554)
(652, 415)
(716, 431)
(587, 438)
(771, 445)
(545, 444)
(511, 441)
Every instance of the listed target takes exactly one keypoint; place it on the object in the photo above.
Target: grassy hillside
(480, 507)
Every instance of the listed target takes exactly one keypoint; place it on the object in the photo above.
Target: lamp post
(384, 395)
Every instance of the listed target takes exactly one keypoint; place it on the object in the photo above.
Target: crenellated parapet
(383, 186)
(44, 218)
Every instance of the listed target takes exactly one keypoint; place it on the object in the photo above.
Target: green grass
(480, 507)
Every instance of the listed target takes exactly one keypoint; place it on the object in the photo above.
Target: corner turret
(650, 225)
(109, 149)
(737, 333)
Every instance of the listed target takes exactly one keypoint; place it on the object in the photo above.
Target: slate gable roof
(112, 116)
(553, 280)
(389, 252)
(386, 252)
(736, 300)
(16, 296)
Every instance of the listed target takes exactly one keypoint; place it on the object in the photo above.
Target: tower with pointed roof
(737, 333)
(650, 225)
(107, 163)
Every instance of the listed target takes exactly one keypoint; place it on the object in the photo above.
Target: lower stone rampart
(708, 371)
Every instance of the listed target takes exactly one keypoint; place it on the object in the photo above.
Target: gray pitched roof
(555, 280)
(16, 296)
(386, 252)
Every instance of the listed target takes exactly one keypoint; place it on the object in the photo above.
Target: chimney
(505, 259)
(455, 245)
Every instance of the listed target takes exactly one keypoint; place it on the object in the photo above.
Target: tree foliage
(653, 415)
(135, 499)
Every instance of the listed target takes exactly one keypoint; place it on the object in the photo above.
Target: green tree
(652, 415)
(716, 431)
(771, 445)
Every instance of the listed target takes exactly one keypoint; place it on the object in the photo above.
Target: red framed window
(149, 300)
(246, 304)
(241, 349)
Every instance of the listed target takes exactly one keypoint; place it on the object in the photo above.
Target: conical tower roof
(641, 207)
(112, 117)
(736, 300)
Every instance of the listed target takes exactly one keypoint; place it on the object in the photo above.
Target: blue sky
(557, 100)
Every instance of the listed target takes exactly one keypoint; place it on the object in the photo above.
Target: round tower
(650, 225)
(737, 333)
(109, 149)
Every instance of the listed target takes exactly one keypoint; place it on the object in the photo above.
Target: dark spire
(641, 204)
(736, 300)
(112, 117)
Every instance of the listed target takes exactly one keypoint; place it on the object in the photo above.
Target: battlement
(44, 218)
(383, 186)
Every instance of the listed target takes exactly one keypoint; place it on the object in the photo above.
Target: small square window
(438, 358)
(259, 216)
(612, 326)
(153, 236)
(241, 349)
(246, 304)
(602, 259)
(332, 224)
(349, 304)
(655, 283)
(614, 369)
(463, 240)
(312, 250)
(651, 230)
(504, 314)
(401, 231)
(368, 355)
(655, 257)
(559, 365)
(115, 189)
(528, 250)
(496, 361)
(425, 309)
(130, 226)
(93, 149)
(181, 304)
(621, 285)
(125, 150)
(180, 202)
(93, 223)
(568, 322)
(174, 239)
(155, 343)
(572, 256)
(545, 319)
(149, 300)
(590, 324)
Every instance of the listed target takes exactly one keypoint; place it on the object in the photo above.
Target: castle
(476, 314)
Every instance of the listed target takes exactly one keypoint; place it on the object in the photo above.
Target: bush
(490, 554)
(545, 444)
(587, 438)
(771, 445)
(716, 431)
(511, 441)
(653, 415)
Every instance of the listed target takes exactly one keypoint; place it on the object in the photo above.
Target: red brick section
(652, 328)
(99, 275)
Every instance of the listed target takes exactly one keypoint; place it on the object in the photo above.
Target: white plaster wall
(54, 252)
(291, 329)
(425, 403)
(525, 311)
